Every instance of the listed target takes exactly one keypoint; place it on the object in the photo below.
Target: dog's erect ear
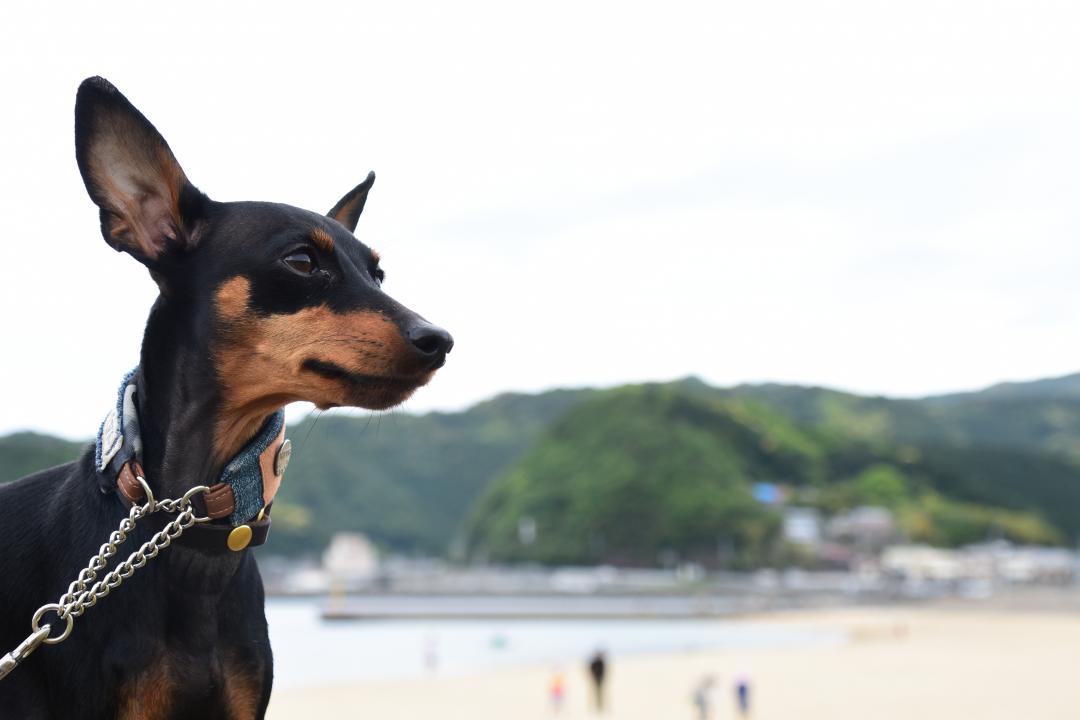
(148, 207)
(348, 209)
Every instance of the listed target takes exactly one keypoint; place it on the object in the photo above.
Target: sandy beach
(958, 662)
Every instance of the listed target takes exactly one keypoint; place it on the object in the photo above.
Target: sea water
(310, 651)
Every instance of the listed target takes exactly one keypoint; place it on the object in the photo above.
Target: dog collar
(245, 488)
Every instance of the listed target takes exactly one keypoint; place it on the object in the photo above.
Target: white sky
(875, 196)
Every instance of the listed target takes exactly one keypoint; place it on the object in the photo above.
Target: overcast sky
(880, 197)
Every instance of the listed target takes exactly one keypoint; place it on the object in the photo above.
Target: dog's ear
(148, 207)
(348, 209)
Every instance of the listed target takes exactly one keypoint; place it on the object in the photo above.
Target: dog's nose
(431, 341)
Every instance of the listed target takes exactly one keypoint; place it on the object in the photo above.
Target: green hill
(421, 483)
(26, 452)
(406, 480)
(1056, 388)
(643, 470)
(1021, 416)
(637, 471)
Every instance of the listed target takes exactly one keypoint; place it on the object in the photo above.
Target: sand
(925, 664)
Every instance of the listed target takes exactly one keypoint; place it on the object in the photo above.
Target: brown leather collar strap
(220, 503)
(128, 483)
(220, 500)
(206, 537)
(216, 538)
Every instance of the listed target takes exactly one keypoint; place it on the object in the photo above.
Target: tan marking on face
(260, 364)
(375, 255)
(322, 240)
(232, 297)
(148, 696)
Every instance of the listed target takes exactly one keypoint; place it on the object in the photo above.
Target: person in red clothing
(557, 691)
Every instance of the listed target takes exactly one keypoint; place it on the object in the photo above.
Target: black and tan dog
(260, 305)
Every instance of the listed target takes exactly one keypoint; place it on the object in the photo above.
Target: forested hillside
(639, 472)
(26, 452)
(622, 475)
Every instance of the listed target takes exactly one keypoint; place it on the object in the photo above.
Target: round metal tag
(239, 538)
(281, 460)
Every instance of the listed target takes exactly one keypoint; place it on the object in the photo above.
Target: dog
(260, 304)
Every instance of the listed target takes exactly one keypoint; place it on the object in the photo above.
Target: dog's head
(287, 302)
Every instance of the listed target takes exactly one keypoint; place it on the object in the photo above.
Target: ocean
(310, 651)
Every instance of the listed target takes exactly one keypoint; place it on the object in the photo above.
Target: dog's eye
(301, 261)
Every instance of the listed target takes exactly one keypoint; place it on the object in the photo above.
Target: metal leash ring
(79, 597)
(35, 624)
(185, 501)
(151, 504)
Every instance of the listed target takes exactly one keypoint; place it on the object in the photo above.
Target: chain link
(85, 591)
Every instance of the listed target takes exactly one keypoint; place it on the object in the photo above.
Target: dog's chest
(174, 686)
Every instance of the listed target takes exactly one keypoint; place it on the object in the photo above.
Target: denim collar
(253, 480)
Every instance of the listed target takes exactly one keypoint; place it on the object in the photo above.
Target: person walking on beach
(597, 671)
(742, 695)
(557, 691)
(702, 697)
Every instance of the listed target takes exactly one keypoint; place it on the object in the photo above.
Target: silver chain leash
(84, 592)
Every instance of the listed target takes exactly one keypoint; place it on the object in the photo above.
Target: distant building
(769, 493)
(866, 528)
(802, 526)
(921, 563)
(1005, 562)
(351, 557)
(993, 563)
(527, 530)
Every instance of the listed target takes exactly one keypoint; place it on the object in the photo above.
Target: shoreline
(944, 660)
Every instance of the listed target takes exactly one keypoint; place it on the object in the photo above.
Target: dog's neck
(179, 405)
(177, 400)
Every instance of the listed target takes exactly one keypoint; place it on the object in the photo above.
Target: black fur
(200, 615)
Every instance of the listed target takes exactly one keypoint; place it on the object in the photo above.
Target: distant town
(867, 564)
